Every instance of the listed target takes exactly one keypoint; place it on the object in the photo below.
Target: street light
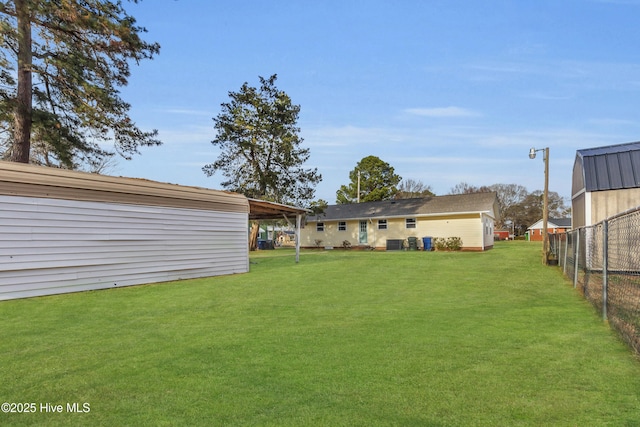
(545, 212)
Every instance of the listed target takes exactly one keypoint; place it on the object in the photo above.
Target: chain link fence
(603, 261)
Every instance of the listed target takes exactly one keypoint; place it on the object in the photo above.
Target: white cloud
(442, 112)
(347, 136)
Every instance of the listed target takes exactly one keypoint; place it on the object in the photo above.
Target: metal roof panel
(612, 167)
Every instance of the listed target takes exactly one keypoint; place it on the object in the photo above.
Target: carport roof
(262, 210)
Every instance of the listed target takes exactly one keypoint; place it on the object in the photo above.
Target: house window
(342, 226)
(382, 224)
(320, 226)
(410, 223)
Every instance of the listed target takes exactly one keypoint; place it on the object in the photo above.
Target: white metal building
(65, 231)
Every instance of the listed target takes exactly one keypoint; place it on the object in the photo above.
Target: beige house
(386, 224)
(606, 181)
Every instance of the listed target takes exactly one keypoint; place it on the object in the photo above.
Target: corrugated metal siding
(50, 246)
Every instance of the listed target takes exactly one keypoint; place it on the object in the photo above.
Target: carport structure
(262, 210)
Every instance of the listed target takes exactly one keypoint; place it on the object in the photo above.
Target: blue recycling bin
(426, 243)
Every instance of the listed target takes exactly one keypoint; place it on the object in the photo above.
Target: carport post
(298, 222)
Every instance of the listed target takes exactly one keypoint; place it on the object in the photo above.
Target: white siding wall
(489, 227)
(50, 246)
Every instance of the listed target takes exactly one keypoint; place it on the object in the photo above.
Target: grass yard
(340, 339)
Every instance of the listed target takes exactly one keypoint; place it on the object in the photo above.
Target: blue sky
(445, 91)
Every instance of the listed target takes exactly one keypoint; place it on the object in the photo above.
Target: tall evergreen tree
(260, 148)
(260, 152)
(61, 64)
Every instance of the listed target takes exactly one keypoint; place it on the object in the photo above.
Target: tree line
(376, 180)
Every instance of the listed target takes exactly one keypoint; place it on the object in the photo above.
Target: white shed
(65, 231)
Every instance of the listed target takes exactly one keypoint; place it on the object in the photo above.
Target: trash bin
(426, 243)
(413, 243)
(265, 244)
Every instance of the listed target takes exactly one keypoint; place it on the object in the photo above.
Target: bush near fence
(603, 261)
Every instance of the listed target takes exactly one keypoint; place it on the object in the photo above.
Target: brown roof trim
(17, 179)
(261, 209)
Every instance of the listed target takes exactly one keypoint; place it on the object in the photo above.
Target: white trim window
(342, 225)
(382, 224)
(410, 223)
(320, 226)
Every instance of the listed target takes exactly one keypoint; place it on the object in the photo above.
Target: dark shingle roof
(459, 203)
(612, 167)
(561, 222)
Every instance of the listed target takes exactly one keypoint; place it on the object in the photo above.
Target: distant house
(501, 235)
(386, 224)
(606, 181)
(554, 226)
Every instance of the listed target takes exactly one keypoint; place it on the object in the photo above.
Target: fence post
(566, 249)
(605, 267)
(576, 261)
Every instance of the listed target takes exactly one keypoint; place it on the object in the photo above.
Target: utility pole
(545, 202)
(358, 197)
(545, 214)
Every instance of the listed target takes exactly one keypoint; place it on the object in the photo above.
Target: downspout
(482, 230)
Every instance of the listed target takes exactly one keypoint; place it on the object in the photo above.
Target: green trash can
(413, 243)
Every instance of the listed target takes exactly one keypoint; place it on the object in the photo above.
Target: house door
(363, 232)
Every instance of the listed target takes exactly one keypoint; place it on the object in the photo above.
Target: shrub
(447, 244)
(454, 243)
(346, 244)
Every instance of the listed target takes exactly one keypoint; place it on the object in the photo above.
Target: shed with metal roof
(606, 181)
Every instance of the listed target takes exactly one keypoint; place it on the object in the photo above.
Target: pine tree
(61, 64)
(261, 154)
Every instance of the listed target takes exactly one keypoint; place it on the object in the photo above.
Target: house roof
(612, 167)
(424, 206)
(552, 223)
(560, 222)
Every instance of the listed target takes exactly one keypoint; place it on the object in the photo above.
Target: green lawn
(340, 339)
